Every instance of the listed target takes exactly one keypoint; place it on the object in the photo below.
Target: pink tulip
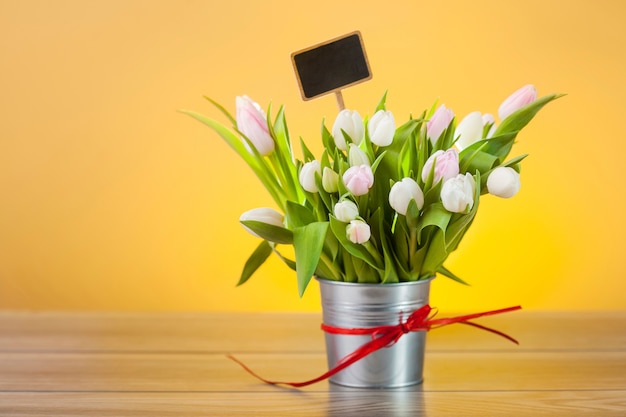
(521, 98)
(358, 231)
(358, 179)
(438, 123)
(446, 165)
(251, 122)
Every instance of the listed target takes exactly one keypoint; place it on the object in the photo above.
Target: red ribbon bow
(387, 336)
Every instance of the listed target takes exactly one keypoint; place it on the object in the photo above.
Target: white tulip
(401, 194)
(457, 194)
(356, 156)
(349, 121)
(381, 128)
(503, 182)
(470, 130)
(346, 211)
(307, 176)
(263, 215)
(330, 180)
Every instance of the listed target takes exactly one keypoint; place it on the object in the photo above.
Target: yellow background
(110, 199)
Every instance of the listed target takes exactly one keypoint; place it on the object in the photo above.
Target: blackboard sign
(332, 65)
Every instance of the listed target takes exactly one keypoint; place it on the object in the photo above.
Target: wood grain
(144, 364)
(378, 403)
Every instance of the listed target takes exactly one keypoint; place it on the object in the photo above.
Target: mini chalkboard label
(330, 66)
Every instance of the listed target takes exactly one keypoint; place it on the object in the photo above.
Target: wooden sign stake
(339, 98)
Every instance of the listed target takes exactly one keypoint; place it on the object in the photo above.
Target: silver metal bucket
(353, 305)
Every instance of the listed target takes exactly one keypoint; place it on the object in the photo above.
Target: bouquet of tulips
(383, 203)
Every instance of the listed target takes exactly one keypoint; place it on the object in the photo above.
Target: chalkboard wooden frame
(330, 66)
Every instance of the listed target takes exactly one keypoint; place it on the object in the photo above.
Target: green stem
(337, 275)
(412, 246)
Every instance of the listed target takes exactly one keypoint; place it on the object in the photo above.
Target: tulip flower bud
(307, 176)
(330, 180)
(521, 98)
(263, 215)
(346, 211)
(438, 123)
(251, 122)
(350, 122)
(446, 165)
(469, 131)
(356, 156)
(358, 179)
(401, 194)
(381, 128)
(503, 182)
(489, 121)
(358, 231)
(457, 194)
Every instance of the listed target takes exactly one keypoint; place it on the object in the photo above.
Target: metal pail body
(353, 305)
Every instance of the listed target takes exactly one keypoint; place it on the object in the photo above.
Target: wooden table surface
(174, 364)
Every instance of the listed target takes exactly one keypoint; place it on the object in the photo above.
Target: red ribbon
(387, 336)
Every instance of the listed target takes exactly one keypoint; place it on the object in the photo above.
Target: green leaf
(412, 214)
(479, 161)
(381, 103)
(291, 264)
(498, 146)
(308, 242)
(270, 232)
(390, 274)
(514, 161)
(401, 241)
(443, 243)
(434, 215)
(327, 140)
(446, 140)
(231, 139)
(254, 161)
(364, 272)
(306, 152)
(258, 257)
(377, 161)
(403, 133)
(282, 157)
(360, 251)
(435, 253)
(298, 215)
(222, 109)
(444, 271)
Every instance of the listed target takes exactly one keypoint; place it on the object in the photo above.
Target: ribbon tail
(369, 347)
(489, 329)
